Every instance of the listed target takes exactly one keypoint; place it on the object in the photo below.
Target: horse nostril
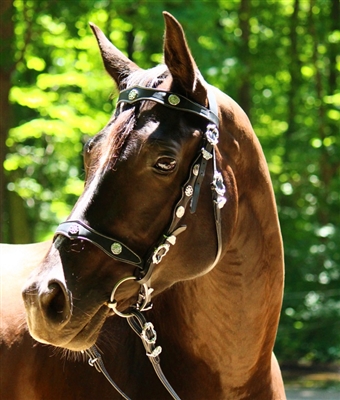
(56, 302)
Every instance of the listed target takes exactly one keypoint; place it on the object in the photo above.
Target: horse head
(144, 171)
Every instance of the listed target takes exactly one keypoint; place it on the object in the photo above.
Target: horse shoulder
(16, 345)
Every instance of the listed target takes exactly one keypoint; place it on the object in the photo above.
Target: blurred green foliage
(279, 59)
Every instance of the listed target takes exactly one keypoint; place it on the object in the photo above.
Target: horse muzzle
(48, 308)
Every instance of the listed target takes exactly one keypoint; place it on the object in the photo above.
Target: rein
(189, 198)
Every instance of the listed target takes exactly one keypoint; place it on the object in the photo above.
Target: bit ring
(113, 303)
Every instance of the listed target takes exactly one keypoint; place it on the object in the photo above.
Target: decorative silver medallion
(180, 212)
(133, 94)
(171, 239)
(206, 154)
(189, 190)
(73, 229)
(212, 134)
(116, 248)
(196, 169)
(173, 99)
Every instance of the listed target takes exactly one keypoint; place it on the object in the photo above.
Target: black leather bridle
(189, 198)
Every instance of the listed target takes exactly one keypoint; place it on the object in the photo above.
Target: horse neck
(228, 318)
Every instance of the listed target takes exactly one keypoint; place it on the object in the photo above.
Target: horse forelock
(114, 140)
(118, 132)
(151, 78)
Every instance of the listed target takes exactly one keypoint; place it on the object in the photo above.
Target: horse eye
(165, 164)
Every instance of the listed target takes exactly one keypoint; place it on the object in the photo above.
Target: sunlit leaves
(61, 96)
(32, 97)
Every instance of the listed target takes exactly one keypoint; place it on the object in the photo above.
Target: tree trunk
(6, 69)
(294, 71)
(20, 231)
(333, 49)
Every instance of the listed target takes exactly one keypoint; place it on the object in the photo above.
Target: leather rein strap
(190, 193)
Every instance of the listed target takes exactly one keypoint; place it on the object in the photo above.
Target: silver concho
(212, 134)
(196, 169)
(180, 212)
(189, 190)
(73, 229)
(116, 248)
(173, 99)
(133, 94)
(206, 154)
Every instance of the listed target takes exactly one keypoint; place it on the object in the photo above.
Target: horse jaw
(116, 63)
(180, 62)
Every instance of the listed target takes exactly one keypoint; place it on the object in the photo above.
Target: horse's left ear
(116, 63)
(180, 62)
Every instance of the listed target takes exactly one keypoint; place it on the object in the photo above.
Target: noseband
(189, 199)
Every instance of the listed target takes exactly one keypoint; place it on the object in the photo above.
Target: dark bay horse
(178, 202)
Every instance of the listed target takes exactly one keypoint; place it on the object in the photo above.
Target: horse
(176, 235)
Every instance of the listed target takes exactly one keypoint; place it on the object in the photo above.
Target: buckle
(160, 252)
(148, 334)
(155, 353)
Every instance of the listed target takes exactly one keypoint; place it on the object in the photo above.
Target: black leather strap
(168, 99)
(112, 247)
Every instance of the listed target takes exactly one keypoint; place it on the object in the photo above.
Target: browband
(168, 99)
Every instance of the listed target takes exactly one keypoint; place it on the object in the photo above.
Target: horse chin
(70, 338)
(88, 335)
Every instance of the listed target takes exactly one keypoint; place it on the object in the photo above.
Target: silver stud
(221, 200)
(133, 94)
(189, 190)
(180, 212)
(206, 154)
(173, 99)
(196, 169)
(73, 229)
(116, 248)
(171, 239)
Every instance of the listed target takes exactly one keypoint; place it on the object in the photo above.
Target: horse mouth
(88, 335)
(74, 336)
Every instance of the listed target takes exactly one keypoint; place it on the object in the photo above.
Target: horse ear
(116, 63)
(180, 62)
